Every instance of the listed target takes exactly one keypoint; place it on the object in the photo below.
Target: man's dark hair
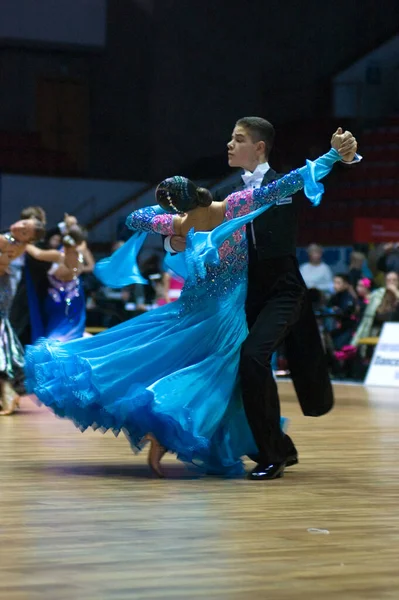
(34, 212)
(259, 130)
(343, 276)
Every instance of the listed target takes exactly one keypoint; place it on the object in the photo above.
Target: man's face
(23, 231)
(339, 285)
(315, 257)
(242, 151)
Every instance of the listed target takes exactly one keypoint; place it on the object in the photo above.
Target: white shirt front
(254, 180)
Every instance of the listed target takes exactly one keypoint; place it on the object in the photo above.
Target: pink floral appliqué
(163, 224)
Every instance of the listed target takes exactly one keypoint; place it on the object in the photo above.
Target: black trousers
(276, 301)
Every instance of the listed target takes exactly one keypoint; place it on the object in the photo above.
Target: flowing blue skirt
(171, 372)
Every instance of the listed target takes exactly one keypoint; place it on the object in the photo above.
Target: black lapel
(270, 176)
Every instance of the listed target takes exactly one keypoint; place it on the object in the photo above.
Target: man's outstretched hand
(345, 143)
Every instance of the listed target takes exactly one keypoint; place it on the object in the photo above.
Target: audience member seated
(151, 269)
(389, 261)
(383, 306)
(343, 306)
(363, 291)
(357, 268)
(107, 307)
(316, 273)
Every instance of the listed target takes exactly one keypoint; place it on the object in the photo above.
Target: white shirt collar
(255, 178)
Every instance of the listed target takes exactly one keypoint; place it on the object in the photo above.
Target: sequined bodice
(63, 291)
(222, 282)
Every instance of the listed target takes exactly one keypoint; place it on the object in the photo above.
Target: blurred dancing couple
(194, 377)
(47, 301)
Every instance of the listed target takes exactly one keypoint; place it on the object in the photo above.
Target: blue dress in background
(172, 371)
(64, 309)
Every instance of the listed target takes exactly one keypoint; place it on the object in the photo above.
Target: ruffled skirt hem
(64, 383)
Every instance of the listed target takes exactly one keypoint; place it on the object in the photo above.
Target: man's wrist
(357, 158)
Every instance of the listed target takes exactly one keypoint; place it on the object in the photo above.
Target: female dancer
(12, 245)
(64, 307)
(172, 372)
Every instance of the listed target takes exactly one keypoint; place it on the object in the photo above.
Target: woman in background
(64, 307)
(363, 292)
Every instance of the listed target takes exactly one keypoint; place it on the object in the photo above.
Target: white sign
(384, 368)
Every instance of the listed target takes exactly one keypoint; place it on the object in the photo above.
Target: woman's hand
(70, 220)
(392, 288)
(178, 243)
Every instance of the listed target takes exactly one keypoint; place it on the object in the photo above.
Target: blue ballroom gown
(65, 310)
(172, 371)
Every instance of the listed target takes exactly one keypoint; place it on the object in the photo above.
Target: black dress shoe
(274, 471)
(292, 460)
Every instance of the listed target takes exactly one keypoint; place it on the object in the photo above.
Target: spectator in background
(383, 307)
(316, 273)
(389, 261)
(151, 269)
(363, 291)
(357, 268)
(343, 306)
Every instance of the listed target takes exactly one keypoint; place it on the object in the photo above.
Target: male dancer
(278, 309)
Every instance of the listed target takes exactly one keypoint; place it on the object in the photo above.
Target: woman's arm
(44, 255)
(242, 203)
(152, 219)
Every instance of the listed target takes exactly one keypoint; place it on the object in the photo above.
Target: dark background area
(163, 94)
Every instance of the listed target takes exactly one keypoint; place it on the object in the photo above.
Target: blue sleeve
(151, 219)
(307, 178)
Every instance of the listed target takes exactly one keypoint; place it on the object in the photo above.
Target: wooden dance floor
(80, 518)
